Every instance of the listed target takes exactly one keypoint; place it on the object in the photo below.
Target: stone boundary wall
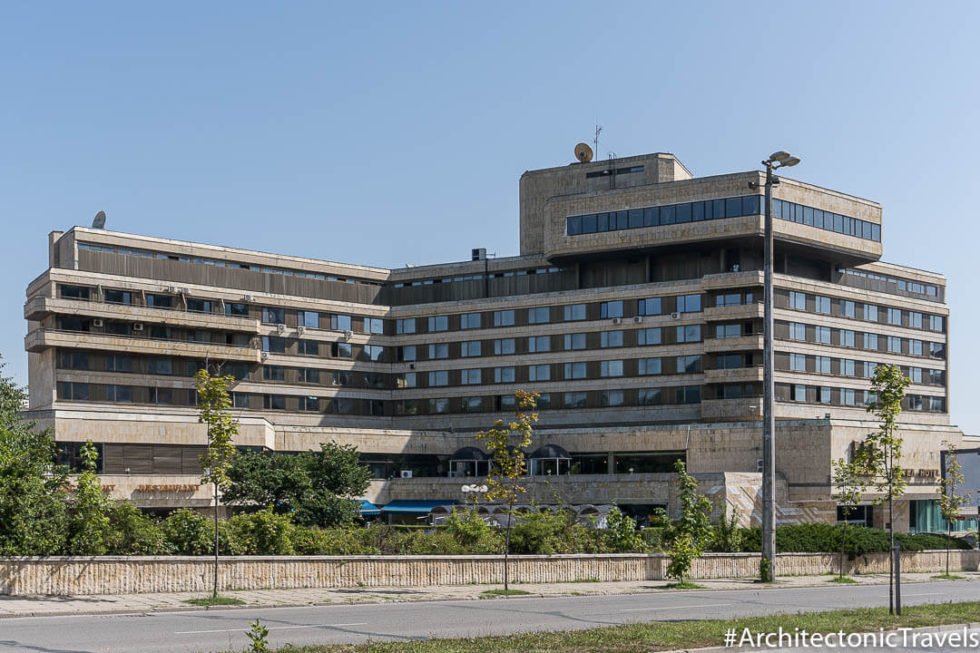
(137, 575)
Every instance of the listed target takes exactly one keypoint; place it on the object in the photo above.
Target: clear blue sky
(345, 130)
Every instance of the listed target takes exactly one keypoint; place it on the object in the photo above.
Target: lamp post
(776, 160)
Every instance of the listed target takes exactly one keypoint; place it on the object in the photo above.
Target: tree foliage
(88, 518)
(688, 537)
(848, 490)
(950, 502)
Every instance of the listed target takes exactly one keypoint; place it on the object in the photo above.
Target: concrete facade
(644, 340)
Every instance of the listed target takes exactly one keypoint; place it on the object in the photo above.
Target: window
(648, 396)
(274, 344)
(308, 347)
(372, 353)
(118, 363)
(125, 297)
(847, 397)
(438, 323)
(688, 394)
(729, 361)
(74, 292)
(846, 338)
(915, 347)
(539, 315)
(611, 309)
(270, 315)
(688, 364)
(340, 322)
(438, 406)
(438, 350)
(728, 331)
(846, 308)
(342, 405)
(544, 401)
(503, 318)
(405, 325)
(341, 377)
(471, 404)
(308, 319)
(504, 346)
(650, 306)
(438, 378)
(689, 304)
(894, 345)
(575, 399)
(469, 321)
(309, 403)
(119, 393)
(311, 375)
(161, 301)
(937, 350)
(937, 377)
(847, 367)
(797, 300)
(822, 364)
(408, 353)
(935, 322)
(915, 374)
(869, 369)
(798, 392)
(75, 360)
(821, 304)
(797, 331)
(822, 334)
(610, 398)
(160, 366)
(733, 299)
(74, 391)
(871, 341)
(408, 380)
(689, 333)
(610, 368)
(506, 402)
(273, 373)
(470, 349)
(823, 394)
(537, 344)
(797, 362)
(539, 373)
(645, 337)
(504, 374)
(937, 404)
(374, 325)
(236, 310)
(611, 339)
(915, 320)
(871, 312)
(649, 366)
(470, 377)
(894, 316)
(574, 312)
(575, 371)
(574, 341)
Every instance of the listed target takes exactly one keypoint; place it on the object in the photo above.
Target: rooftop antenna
(99, 221)
(595, 141)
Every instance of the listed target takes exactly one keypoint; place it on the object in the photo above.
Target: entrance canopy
(418, 507)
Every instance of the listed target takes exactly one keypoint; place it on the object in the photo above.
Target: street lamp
(475, 490)
(776, 160)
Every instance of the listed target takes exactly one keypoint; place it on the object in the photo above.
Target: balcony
(733, 313)
(41, 339)
(732, 410)
(734, 375)
(744, 343)
(37, 307)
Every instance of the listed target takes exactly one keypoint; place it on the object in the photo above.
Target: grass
(841, 579)
(208, 601)
(682, 585)
(489, 594)
(949, 577)
(659, 636)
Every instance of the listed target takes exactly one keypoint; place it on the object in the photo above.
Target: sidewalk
(27, 606)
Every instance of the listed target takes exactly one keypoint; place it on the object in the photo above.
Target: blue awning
(368, 508)
(417, 507)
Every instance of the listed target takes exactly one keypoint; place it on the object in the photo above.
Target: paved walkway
(21, 606)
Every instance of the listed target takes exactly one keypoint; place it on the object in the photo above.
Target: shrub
(189, 533)
(260, 533)
(727, 536)
(620, 535)
(547, 533)
(473, 534)
(653, 538)
(131, 532)
(826, 538)
(311, 540)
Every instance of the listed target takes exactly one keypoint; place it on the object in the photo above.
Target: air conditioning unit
(411, 366)
(406, 473)
(185, 291)
(248, 298)
(138, 326)
(638, 319)
(758, 464)
(617, 320)
(348, 334)
(98, 323)
(675, 315)
(281, 328)
(172, 289)
(301, 329)
(265, 355)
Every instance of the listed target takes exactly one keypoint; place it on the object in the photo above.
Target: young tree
(689, 536)
(88, 523)
(950, 502)
(848, 490)
(213, 405)
(32, 509)
(881, 456)
(508, 444)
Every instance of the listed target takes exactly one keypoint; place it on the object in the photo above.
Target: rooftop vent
(480, 254)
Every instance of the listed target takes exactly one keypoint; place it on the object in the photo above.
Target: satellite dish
(583, 152)
(99, 221)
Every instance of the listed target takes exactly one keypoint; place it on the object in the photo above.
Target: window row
(653, 216)
(812, 217)
(800, 393)
(478, 277)
(870, 312)
(848, 367)
(849, 338)
(892, 284)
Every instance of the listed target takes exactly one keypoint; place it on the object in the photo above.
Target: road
(217, 629)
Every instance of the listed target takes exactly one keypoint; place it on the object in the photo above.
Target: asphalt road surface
(218, 629)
